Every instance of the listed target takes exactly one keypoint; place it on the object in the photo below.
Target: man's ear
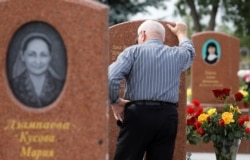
(144, 36)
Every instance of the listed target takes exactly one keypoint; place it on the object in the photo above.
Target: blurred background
(228, 16)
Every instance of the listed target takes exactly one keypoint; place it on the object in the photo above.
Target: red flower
(221, 122)
(217, 93)
(191, 121)
(246, 118)
(238, 96)
(226, 91)
(221, 93)
(197, 124)
(242, 119)
(199, 111)
(200, 131)
(247, 130)
(196, 102)
(190, 110)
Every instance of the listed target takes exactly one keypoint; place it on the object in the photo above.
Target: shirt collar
(153, 41)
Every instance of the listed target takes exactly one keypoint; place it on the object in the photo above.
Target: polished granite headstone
(123, 35)
(217, 72)
(53, 80)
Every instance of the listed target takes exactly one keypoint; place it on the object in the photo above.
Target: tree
(198, 11)
(238, 11)
(235, 11)
(119, 10)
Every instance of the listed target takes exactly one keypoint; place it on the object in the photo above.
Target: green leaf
(213, 137)
(206, 139)
(238, 134)
(230, 136)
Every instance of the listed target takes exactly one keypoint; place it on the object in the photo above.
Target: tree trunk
(213, 16)
(195, 16)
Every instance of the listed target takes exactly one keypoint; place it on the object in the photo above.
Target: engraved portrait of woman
(32, 77)
(211, 51)
(211, 54)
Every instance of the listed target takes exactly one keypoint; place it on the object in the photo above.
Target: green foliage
(120, 10)
(236, 12)
(192, 136)
(205, 139)
(244, 40)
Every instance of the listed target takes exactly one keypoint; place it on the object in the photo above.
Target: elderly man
(147, 114)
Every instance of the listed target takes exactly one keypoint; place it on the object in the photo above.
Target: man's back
(152, 70)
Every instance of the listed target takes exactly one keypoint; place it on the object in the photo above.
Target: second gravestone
(122, 36)
(216, 65)
(53, 71)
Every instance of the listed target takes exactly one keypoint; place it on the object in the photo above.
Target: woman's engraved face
(36, 56)
(211, 50)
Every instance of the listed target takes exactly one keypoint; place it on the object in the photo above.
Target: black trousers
(149, 129)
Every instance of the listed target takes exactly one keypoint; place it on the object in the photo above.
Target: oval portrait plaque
(36, 64)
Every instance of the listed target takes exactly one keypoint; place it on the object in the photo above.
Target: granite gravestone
(214, 74)
(121, 36)
(216, 65)
(53, 80)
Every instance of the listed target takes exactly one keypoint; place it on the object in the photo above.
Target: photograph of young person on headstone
(210, 52)
(33, 80)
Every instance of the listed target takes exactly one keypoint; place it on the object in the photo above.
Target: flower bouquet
(223, 127)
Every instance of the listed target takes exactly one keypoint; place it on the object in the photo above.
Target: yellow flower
(189, 92)
(211, 111)
(227, 117)
(234, 109)
(231, 108)
(203, 117)
(237, 109)
(245, 93)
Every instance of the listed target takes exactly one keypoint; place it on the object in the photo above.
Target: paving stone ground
(211, 156)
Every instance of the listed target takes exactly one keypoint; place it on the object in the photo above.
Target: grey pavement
(211, 156)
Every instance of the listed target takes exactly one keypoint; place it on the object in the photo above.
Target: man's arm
(185, 44)
(116, 73)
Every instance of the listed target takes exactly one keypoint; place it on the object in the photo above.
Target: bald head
(153, 29)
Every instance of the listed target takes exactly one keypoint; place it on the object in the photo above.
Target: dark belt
(153, 103)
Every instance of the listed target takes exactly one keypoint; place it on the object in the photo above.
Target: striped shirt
(151, 71)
